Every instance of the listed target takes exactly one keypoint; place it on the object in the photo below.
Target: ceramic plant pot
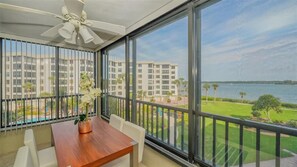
(85, 126)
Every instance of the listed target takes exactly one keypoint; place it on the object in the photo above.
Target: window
(150, 71)
(165, 66)
(116, 57)
(165, 76)
(247, 61)
(139, 70)
(150, 76)
(165, 82)
(165, 87)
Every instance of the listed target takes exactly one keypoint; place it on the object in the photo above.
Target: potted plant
(90, 93)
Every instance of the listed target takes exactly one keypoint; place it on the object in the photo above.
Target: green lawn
(240, 110)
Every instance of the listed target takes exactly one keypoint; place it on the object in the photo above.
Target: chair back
(29, 141)
(116, 122)
(23, 158)
(137, 133)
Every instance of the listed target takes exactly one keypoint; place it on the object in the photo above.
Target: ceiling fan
(75, 23)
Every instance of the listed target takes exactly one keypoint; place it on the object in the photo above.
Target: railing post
(1, 56)
(57, 80)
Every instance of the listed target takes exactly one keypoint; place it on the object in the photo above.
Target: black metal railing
(222, 140)
(164, 124)
(22, 112)
(221, 156)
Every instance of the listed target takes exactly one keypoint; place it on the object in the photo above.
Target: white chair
(137, 133)
(23, 158)
(42, 158)
(116, 122)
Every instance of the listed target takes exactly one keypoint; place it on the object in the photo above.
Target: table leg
(52, 141)
(134, 155)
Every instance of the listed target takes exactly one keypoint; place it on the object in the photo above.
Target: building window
(165, 76)
(165, 66)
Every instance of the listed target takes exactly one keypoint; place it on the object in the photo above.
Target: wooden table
(96, 148)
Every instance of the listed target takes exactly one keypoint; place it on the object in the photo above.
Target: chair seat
(47, 157)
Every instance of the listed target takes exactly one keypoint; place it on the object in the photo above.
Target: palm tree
(242, 94)
(206, 86)
(178, 83)
(28, 86)
(141, 94)
(52, 80)
(169, 93)
(215, 88)
(121, 78)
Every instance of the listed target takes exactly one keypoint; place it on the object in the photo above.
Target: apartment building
(34, 75)
(153, 78)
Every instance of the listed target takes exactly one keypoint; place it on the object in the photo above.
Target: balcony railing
(22, 112)
(222, 140)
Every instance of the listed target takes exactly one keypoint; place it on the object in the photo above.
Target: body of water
(286, 93)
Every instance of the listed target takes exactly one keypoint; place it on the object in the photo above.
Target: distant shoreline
(286, 82)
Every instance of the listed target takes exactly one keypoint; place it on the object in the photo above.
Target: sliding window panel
(248, 73)
(161, 71)
(73, 63)
(116, 66)
(27, 92)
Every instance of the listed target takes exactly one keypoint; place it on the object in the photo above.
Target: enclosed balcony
(211, 82)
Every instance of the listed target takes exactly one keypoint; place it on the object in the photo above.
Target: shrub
(152, 99)
(256, 114)
(278, 122)
(168, 100)
(292, 123)
(289, 105)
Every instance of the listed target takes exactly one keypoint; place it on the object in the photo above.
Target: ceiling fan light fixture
(72, 40)
(83, 31)
(67, 30)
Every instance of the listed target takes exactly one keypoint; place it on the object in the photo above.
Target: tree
(178, 82)
(185, 87)
(28, 86)
(52, 80)
(267, 103)
(152, 99)
(121, 78)
(141, 94)
(206, 86)
(215, 88)
(169, 93)
(242, 94)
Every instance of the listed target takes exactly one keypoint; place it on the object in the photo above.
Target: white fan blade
(29, 10)
(53, 31)
(75, 7)
(97, 40)
(106, 27)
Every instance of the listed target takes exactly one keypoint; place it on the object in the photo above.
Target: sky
(241, 40)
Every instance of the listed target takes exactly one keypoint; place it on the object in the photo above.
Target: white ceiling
(129, 13)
